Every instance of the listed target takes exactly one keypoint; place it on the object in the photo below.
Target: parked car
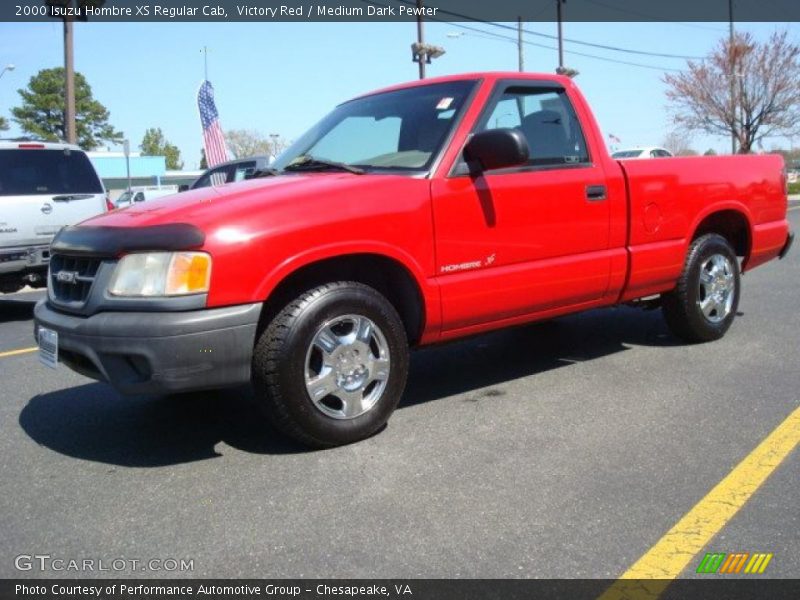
(404, 218)
(231, 171)
(647, 152)
(44, 186)
(144, 193)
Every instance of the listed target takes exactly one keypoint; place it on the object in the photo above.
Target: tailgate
(34, 220)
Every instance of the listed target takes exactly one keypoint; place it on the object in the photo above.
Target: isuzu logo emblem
(67, 277)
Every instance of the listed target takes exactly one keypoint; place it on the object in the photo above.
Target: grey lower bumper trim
(787, 246)
(157, 352)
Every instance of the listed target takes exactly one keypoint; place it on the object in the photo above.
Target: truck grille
(71, 278)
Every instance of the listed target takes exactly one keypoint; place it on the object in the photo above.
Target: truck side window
(547, 119)
(244, 171)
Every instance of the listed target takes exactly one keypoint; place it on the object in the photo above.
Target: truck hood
(290, 196)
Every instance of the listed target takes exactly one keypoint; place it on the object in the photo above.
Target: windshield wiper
(310, 163)
(265, 172)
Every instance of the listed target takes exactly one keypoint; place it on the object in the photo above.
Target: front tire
(703, 305)
(330, 367)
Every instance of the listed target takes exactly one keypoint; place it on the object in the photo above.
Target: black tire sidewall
(332, 303)
(705, 249)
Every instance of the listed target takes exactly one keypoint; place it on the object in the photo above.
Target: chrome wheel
(716, 288)
(347, 366)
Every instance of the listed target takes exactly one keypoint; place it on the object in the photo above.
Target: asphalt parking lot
(561, 449)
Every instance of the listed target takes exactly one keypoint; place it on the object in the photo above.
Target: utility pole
(421, 52)
(559, 16)
(59, 9)
(520, 51)
(420, 38)
(732, 52)
(69, 85)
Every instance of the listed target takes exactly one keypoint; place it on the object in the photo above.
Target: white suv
(44, 186)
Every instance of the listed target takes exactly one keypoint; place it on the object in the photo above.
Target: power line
(576, 53)
(572, 41)
(514, 40)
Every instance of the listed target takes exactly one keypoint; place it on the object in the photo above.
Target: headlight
(161, 274)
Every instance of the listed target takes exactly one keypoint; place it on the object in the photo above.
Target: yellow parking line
(670, 555)
(20, 351)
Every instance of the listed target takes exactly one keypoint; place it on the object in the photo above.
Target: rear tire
(331, 366)
(703, 305)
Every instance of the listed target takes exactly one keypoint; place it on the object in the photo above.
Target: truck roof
(489, 76)
(26, 144)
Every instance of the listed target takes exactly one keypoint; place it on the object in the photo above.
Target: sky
(283, 77)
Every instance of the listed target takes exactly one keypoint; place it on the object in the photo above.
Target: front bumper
(157, 352)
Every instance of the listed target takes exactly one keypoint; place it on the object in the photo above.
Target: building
(144, 171)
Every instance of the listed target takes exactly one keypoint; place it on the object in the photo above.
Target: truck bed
(669, 198)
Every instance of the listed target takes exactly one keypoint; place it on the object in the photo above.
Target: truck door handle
(595, 193)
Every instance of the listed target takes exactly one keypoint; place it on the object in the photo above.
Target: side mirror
(497, 149)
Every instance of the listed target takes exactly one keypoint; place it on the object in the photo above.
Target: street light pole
(560, 35)
(274, 137)
(732, 53)
(8, 67)
(69, 85)
(519, 45)
(420, 38)
(126, 149)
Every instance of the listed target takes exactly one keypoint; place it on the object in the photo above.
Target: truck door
(527, 239)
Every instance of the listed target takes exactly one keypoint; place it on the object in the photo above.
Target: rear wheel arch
(387, 275)
(732, 224)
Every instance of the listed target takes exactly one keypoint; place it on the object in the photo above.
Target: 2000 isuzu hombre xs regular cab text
(408, 216)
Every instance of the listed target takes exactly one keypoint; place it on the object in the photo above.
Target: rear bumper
(13, 260)
(157, 352)
(787, 245)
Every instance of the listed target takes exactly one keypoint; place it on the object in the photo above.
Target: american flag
(614, 139)
(213, 138)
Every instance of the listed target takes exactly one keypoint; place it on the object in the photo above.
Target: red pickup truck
(408, 216)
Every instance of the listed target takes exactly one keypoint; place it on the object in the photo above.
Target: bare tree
(679, 142)
(747, 89)
(249, 142)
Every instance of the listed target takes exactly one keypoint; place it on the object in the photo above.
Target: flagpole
(205, 62)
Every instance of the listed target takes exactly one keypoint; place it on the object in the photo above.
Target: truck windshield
(396, 130)
(35, 172)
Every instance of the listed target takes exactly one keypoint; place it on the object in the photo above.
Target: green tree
(155, 144)
(203, 161)
(3, 124)
(42, 111)
(710, 152)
